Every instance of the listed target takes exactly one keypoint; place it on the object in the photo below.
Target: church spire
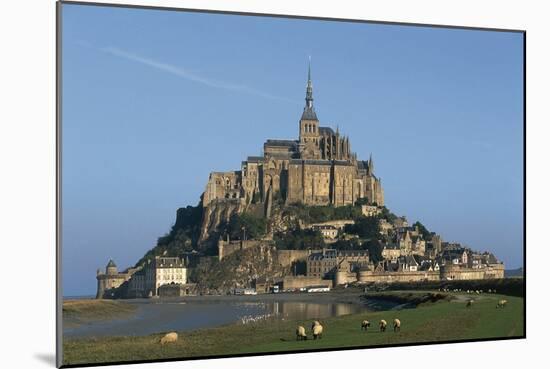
(309, 111)
(309, 89)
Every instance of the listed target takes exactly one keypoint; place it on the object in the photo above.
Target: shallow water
(155, 316)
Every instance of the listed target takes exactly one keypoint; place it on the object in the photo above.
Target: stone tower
(309, 125)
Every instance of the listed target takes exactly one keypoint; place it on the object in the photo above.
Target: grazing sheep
(469, 303)
(301, 333)
(169, 337)
(502, 303)
(317, 331)
(315, 322)
(365, 324)
(383, 325)
(396, 325)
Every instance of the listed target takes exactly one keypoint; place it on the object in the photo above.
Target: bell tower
(309, 124)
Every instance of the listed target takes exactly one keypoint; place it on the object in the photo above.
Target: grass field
(445, 320)
(77, 312)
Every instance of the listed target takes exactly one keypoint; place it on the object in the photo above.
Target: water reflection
(161, 316)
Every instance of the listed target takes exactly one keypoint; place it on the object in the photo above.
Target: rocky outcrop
(216, 216)
(241, 269)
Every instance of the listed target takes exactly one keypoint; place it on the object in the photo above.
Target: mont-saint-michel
(220, 196)
(306, 215)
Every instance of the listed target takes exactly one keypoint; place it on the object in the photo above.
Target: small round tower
(111, 268)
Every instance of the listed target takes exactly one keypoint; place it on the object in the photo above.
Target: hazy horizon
(155, 100)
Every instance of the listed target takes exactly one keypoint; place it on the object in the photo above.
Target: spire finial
(309, 69)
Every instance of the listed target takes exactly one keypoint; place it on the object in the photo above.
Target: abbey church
(317, 169)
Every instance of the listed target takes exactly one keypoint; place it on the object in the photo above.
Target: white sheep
(317, 331)
(383, 325)
(469, 303)
(301, 333)
(315, 322)
(502, 303)
(396, 325)
(365, 324)
(169, 337)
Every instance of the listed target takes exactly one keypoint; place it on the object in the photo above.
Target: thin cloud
(191, 76)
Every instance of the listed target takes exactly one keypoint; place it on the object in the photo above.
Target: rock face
(215, 217)
(241, 268)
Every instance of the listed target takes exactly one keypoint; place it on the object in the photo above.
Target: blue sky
(154, 100)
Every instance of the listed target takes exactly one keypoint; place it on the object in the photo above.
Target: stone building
(108, 282)
(319, 168)
(177, 290)
(163, 270)
(329, 232)
(326, 263)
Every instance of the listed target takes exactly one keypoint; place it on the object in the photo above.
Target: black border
(59, 295)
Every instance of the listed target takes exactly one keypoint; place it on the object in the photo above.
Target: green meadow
(447, 319)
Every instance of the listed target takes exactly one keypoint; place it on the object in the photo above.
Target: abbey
(317, 169)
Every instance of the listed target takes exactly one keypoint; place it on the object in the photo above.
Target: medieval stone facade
(319, 168)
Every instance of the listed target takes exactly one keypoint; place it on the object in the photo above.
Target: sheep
(365, 324)
(315, 322)
(383, 325)
(502, 303)
(396, 325)
(317, 331)
(469, 303)
(169, 337)
(301, 333)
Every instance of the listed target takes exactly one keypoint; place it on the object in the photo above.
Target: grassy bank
(443, 320)
(77, 312)
(505, 286)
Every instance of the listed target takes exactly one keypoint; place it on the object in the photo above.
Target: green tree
(375, 250)
(252, 227)
(388, 215)
(427, 235)
(362, 201)
(299, 239)
(364, 227)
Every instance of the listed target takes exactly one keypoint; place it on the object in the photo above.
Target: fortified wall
(455, 272)
(226, 248)
(287, 257)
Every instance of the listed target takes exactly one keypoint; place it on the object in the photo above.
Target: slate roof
(255, 159)
(309, 114)
(286, 143)
(314, 162)
(326, 130)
